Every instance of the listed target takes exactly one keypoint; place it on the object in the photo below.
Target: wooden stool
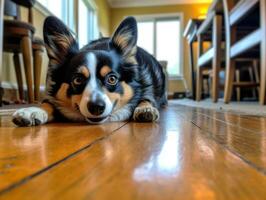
(18, 39)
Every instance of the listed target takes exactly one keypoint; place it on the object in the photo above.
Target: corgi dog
(108, 80)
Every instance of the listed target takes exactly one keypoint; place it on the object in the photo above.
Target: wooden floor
(190, 154)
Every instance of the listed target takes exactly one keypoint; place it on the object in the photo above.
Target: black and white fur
(110, 79)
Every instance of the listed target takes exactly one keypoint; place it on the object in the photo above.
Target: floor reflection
(169, 157)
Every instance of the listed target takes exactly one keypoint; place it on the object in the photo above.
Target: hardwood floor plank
(24, 152)
(170, 160)
(252, 123)
(248, 145)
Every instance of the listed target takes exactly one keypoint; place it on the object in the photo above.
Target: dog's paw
(146, 114)
(31, 116)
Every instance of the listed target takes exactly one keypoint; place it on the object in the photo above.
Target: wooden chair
(18, 38)
(213, 55)
(235, 12)
(214, 58)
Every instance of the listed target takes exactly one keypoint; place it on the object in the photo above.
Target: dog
(108, 80)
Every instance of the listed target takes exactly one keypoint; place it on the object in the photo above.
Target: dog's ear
(58, 39)
(125, 38)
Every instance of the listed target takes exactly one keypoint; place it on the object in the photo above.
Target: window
(88, 26)
(161, 37)
(63, 9)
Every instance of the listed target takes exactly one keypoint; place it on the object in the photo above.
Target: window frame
(169, 16)
(90, 5)
(68, 14)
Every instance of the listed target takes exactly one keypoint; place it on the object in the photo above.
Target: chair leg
(199, 84)
(263, 52)
(17, 64)
(38, 58)
(215, 83)
(263, 77)
(238, 90)
(256, 72)
(1, 95)
(252, 79)
(216, 65)
(26, 46)
(230, 71)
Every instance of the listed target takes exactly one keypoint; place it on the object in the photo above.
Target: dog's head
(95, 81)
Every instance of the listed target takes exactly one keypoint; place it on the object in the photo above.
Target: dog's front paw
(31, 116)
(146, 114)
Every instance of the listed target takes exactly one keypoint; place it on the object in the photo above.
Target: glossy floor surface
(191, 153)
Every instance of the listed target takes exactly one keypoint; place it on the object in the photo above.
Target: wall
(188, 10)
(104, 14)
(9, 79)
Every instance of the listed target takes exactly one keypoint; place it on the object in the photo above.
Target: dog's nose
(96, 107)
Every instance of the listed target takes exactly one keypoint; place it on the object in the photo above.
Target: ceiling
(138, 3)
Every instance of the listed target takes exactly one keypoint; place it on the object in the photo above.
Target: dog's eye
(78, 80)
(111, 79)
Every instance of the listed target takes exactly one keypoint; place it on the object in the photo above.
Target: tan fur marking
(105, 70)
(121, 99)
(64, 41)
(131, 58)
(75, 99)
(113, 96)
(49, 109)
(85, 71)
(128, 93)
(122, 40)
(62, 95)
(67, 104)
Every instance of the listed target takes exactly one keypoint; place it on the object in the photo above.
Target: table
(190, 34)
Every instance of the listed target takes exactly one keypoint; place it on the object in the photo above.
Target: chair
(214, 58)
(18, 38)
(235, 13)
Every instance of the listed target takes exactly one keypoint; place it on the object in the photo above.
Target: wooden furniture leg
(191, 59)
(199, 71)
(238, 90)
(252, 79)
(18, 71)
(38, 58)
(1, 46)
(216, 65)
(199, 84)
(263, 52)
(230, 65)
(26, 45)
(256, 73)
(230, 71)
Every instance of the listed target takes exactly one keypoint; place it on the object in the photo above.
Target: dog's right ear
(59, 41)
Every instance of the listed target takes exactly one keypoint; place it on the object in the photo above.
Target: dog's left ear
(59, 41)
(125, 38)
